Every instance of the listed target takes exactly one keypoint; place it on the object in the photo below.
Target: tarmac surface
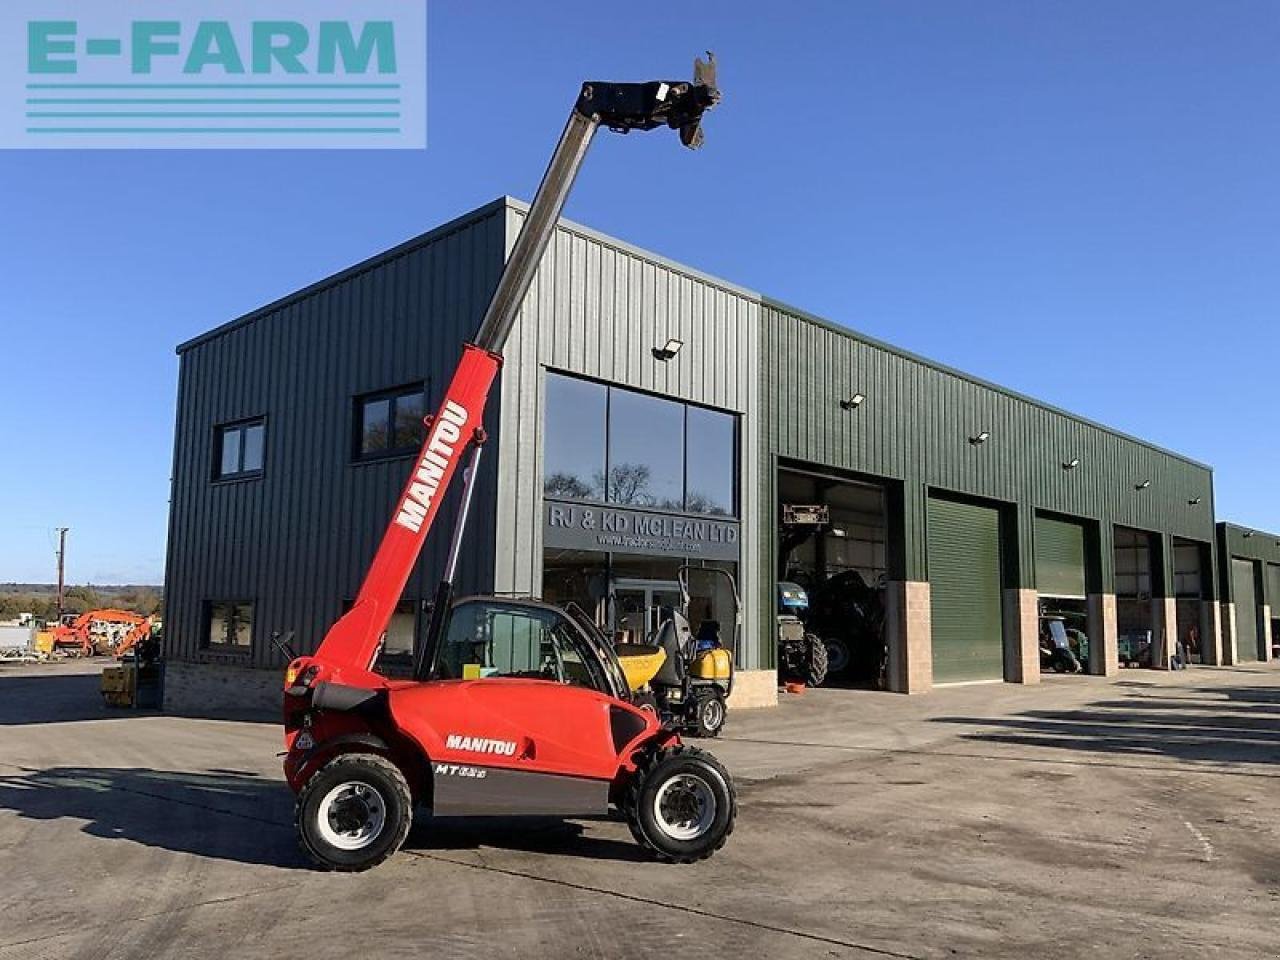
(1137, 817)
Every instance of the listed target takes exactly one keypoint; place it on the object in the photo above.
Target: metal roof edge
(1229, 525)
(572, 226)
(766, 301)
(452, 226)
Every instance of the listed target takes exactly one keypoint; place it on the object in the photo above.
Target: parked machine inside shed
(515, 706)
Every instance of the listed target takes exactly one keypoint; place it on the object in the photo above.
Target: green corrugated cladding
(1060, 558)
(1244, 580)
(1248, 544)
(965, 592)
(914, 427)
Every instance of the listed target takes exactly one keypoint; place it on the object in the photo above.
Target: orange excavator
(108, 632)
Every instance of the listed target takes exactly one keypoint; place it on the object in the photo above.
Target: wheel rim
(685, 807)
(351, 816)
(837, 656)
(712, 713)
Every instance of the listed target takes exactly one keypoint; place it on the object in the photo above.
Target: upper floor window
(389, 423)
(239, 449)
(614, 445)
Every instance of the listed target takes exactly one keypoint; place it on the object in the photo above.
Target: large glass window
(389, 423)
(239, 449)
(646, 451)
(713, 452)
(573, 464)
(610, 444)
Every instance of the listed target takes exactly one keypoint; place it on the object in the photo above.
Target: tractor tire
(709, 712)
(839, 657)
(354, 812)
(815, 661)
(680, 804)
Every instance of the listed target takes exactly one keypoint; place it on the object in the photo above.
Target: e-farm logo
(213, 73)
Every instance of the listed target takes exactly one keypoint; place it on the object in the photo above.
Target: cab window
(491, 639)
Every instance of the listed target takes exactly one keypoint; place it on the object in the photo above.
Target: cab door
(528, 728)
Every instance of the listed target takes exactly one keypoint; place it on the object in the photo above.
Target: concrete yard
(1138, 817)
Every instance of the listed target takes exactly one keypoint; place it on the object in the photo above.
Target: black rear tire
(681, 804)
(354, 812)
(815, 661)
(839, 656)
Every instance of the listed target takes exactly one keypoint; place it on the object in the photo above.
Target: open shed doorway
(836, 552)
(1190, 560)
(1135, 582)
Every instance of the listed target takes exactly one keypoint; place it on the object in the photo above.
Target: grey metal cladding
(597, 308)
(298, 540)
(470, 790)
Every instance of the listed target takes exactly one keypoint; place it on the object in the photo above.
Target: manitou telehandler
(515, 706)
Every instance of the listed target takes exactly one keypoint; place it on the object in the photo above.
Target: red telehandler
(515, 706)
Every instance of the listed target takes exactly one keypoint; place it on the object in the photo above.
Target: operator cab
(493, 637)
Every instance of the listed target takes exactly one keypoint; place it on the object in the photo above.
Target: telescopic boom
(352, 643)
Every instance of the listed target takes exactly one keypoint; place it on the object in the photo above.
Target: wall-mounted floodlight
(1071, 464)
(1142, 485)
(854, 402)
(1195, 501)
(982, 437)
(1248, 534)
(667, 350)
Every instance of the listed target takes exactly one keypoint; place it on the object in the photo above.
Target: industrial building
(649, 416)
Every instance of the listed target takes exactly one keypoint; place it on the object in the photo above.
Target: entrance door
(1245, 593)
(637, 606)
(964, 586)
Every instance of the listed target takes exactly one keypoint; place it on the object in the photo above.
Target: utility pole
(62, 554)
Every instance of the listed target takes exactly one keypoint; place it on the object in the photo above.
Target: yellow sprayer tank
(714, 664)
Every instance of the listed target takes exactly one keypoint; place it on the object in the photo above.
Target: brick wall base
(222, 691)
(908, 625)
(1022, 636)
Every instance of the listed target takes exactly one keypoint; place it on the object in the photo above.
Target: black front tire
(709, 713)
(815, 661)
(681, 804)
(378, 819)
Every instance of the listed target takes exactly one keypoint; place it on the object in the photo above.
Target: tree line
(44, 605)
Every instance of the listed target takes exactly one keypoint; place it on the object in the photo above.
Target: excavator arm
(349, 649)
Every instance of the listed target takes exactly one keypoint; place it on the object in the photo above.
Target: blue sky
(1075, 199)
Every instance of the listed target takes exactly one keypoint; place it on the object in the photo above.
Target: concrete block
(1104, 635)
(1267, 636)
(753, 689)
(1164, 631)
(1229, 657)
(1022, 636)
(909, 634)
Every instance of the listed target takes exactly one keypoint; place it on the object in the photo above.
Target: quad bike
(802, 656)
(514, 706)
(686, 676)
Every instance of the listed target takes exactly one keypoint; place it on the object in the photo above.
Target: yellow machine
(640, 662)
(686, 676)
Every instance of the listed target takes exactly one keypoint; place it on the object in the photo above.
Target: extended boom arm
(352, 643)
